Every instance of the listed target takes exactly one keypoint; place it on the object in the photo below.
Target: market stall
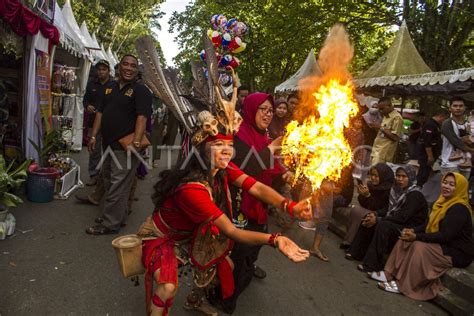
(70, 74)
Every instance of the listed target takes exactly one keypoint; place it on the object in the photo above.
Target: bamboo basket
(129, 254)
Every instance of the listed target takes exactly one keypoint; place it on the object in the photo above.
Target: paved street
(51, 267)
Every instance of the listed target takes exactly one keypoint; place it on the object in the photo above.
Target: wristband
(291, 206)
(272, 239)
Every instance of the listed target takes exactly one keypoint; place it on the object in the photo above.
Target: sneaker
(308, 225)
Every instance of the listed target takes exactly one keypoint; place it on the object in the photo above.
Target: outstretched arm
(284, 244)
(266, 194)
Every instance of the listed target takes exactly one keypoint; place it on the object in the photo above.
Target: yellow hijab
(441, 206)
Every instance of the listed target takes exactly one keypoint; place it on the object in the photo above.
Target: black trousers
(423, 172)
(372, 244)
(244, 258)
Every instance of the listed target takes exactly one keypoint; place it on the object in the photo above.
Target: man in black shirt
(94, 92)
(124, 109)
(429, 145)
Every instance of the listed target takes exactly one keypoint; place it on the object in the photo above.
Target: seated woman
(424, 254)
(373, 198)
(377, 235)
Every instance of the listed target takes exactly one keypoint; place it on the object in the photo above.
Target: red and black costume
(186, 209)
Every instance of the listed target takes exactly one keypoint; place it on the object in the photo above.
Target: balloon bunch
(226, 36)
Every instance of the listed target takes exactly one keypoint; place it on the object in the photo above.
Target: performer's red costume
(182, 213)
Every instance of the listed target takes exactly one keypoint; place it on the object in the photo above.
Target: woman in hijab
(425, 253)
(373, 198)
(254, 154)
(280, 119)
(407, 208)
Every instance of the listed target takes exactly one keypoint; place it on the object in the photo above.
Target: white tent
(71, 21)
(309, 68)
(90, 42)
(98, 54)
(112, 59)
(67, 37)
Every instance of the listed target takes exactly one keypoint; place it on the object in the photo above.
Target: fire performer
(188, 225)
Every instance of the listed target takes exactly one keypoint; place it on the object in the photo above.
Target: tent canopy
(68, 38)
(71, 21)
(309, 68)
(90, 42)
(402, 58)
(443, 83)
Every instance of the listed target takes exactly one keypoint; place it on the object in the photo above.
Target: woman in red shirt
(191, 199)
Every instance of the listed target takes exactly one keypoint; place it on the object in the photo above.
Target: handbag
(128, 140)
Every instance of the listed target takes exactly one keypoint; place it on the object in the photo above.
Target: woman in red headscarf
(254, 154)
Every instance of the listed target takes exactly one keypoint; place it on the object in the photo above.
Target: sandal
(348, 256)
(100, 220)
(100, 230)
(318, 254)
(390, 287)
(361, 267)
(377, 276)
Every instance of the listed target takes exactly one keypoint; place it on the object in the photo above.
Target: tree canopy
(118, 23)
(282, 32)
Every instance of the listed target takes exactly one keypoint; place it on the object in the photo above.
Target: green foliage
(119, 22)
(52, 143)
(10, 180)
(442, 32)
(282, 32)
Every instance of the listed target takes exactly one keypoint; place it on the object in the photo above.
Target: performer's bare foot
(318, 254)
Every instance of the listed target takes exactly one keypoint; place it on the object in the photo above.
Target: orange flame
(317, 148)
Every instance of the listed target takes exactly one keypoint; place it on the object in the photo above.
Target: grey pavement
(51, 267)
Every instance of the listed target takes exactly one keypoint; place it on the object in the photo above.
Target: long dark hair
(195, 168)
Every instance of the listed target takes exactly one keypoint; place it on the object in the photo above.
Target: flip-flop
(377, 276)
(348, 256)
(390, 287)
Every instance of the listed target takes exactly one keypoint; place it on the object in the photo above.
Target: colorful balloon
(214, 19)
(225, 61)
(221, 22)
(226, 39)
(231, 24)
(209, 33)
(240, 49)
(225, 80)
(234, 63)
(216, 39)
(240, 29)
(235, 43)
(202, 55)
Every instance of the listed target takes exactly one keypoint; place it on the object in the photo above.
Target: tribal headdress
(206, 112)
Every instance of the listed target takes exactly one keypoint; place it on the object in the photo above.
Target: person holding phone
(373, 199)
(377, 235)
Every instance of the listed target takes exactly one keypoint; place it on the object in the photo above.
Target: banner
(43, 84)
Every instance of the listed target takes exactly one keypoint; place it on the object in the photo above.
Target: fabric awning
(24, 22)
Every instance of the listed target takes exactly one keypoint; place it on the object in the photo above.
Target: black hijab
(386, 178)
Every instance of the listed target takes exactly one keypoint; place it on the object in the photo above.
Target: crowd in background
(402, 241)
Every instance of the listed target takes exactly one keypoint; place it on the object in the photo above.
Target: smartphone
(359, 181)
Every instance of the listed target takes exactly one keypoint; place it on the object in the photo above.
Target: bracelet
(284, 205)
(272, 240)
(291, 206)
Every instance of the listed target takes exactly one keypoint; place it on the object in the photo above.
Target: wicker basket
(129, 254)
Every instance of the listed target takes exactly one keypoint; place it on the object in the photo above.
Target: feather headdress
(205, 111)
